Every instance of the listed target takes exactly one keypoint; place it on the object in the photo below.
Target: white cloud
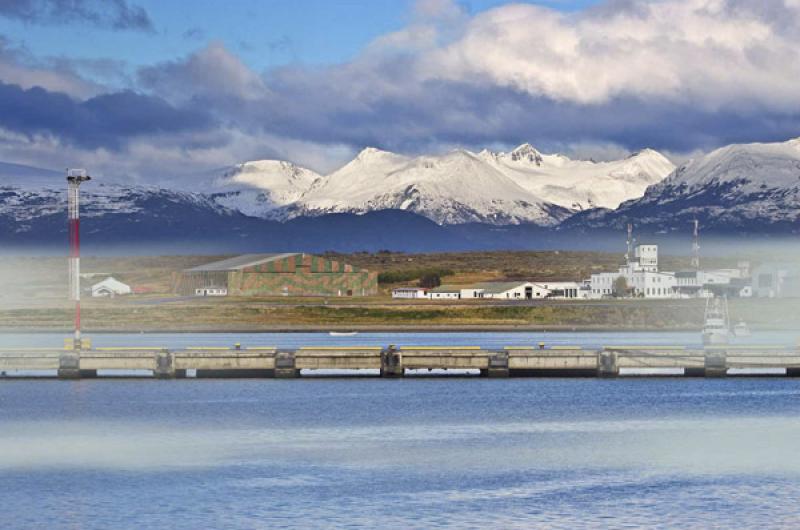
(669, 74)
(708, 52)
(18, 67)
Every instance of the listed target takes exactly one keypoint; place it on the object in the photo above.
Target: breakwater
(537, 360)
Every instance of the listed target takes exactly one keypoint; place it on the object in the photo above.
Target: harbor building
(733, 283)
(639, 277)
(289, 274)
(776, 280)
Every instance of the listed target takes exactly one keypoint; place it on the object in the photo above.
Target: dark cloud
(409, 92)
(382, 103)
(463, 114)
(116, 14)
(106, 121)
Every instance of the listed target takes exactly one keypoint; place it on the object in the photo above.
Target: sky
(153, 90)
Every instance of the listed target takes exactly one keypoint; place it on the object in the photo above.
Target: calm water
(414, 453)
(478, 338)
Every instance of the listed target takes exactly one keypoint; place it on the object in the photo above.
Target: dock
(399, 361)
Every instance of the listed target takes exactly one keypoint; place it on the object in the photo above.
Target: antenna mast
(696, 245)
(629, 250)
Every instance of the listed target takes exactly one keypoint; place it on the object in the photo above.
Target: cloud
(675, 75)
(104, 121)
(19, 67)
(114, 14)
(212, 71)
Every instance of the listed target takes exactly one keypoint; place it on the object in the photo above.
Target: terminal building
(641, 277)
(290, 274)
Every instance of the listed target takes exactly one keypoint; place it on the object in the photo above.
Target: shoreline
(374, 329)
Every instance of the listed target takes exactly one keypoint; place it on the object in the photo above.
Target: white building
(110, 287)
(773, 280)
(211, 291)
(564, 290)
(409, 292)
(510, 290)
(708, 283)
(445, 292)
(515, 290)
(641, 275)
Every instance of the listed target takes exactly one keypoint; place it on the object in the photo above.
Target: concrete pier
(69, 365)
(285, 365)
(498, 365)
(607, 364)
(396, 361)
(391, 362)
(715, 365)
(165, 366)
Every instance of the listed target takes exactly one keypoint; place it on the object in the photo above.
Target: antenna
(629, 251)
(696, 245)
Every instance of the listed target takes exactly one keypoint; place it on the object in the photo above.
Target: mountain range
(737, 189)
(456, 201)
(522, 186)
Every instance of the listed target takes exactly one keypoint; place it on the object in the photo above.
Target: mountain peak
(371, 152)
(526, 152)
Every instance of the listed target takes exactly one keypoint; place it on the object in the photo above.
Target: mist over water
(408, 453)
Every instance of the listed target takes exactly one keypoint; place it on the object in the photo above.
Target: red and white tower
(75, 177)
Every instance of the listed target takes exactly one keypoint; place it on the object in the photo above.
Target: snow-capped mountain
(262, 188)
(734, 188)
(738, 189)
(581, 184)
(454, 188)
(458, 187)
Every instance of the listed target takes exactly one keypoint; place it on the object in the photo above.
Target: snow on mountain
(735, 187)
(458, 187)
(261, 188)
(581, 184)
(454, 188)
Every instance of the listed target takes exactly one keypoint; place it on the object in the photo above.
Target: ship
(716, 325)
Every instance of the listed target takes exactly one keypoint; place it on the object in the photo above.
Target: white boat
(741, 329)
(343, 333)
(716, 326)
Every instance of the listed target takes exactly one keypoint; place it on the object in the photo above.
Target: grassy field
(265, 314)
(34, 297)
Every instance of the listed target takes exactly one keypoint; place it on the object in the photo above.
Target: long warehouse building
(292, 274)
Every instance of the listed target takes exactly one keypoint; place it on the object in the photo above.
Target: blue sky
(151, 89)
(263, 33)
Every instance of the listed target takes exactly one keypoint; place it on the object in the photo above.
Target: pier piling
(498, 365)
(165, 366)
(716, 365)
(69, 365)
(607, 365)
(285, 367)
(391, 362)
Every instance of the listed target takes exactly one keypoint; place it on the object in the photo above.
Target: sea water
(412, 453)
